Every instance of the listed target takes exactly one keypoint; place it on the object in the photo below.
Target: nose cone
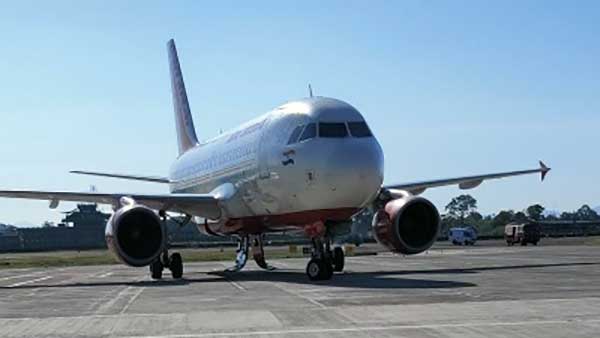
(355, 172)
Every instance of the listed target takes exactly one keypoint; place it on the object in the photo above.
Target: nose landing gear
(173, 262)
(258, 253)
(241, 256)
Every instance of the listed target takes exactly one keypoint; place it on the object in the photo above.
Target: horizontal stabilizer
(155, 179)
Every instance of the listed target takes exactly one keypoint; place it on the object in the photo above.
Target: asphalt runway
(482, 291)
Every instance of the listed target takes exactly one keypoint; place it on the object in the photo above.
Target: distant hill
(597, 209)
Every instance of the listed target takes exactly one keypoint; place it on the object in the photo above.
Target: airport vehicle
(309, 164)
(462, 235)
(522, 233)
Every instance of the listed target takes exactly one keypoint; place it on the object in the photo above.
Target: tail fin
(186, 134)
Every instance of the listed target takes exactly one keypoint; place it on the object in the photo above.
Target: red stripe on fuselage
(272, 223)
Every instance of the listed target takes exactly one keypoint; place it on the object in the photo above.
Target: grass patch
(104, 257)
(53, 259)
(592, 241)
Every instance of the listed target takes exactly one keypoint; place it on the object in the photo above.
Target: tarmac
(488, 290)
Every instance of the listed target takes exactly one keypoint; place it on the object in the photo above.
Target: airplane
(309, 165)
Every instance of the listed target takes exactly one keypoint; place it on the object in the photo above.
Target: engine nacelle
(136, 235)
(407, 225)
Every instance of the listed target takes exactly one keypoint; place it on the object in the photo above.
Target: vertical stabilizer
(186, 134)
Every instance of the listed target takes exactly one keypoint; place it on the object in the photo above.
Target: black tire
(523, 243)
(327, 269)
(176, 265)
(314, 269)
(156, 269)
(535, 243)
(338, 259)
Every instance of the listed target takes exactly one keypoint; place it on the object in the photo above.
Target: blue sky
(449, 88)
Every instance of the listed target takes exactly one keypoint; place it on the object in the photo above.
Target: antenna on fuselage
(310, 93)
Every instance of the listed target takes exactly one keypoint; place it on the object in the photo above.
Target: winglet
(544, 170)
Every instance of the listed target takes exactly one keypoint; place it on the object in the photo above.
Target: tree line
(462, 210)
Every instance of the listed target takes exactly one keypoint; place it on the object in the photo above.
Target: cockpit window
(295, 134)
(309, 132)
(359, 129)
(332, 130)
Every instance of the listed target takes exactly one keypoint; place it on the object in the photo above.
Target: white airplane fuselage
(277, 182)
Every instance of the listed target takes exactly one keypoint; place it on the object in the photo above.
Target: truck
(462, 235)
(522, 233)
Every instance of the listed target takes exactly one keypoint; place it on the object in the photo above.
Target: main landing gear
(258, 253)
(324, 261)
(172, 262)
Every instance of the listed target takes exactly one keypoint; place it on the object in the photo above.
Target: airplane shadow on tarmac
(350, 279)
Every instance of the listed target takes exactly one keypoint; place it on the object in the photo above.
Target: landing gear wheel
(319, 269)
(327, 269)
(156, 269)
(314, 269)
(176, 265)
(338, 259)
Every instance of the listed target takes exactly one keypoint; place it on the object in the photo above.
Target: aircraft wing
(155, 179)
(466, 182)
(204, 205)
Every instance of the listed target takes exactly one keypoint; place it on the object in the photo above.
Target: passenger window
(359, 129)
(332, 130)
(309, 132)
(295, 134)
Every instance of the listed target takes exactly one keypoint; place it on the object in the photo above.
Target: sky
(449, 88)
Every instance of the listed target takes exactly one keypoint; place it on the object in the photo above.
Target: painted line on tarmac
(22, 276)
(299, 295)
(104, 275)
(375, 328)
(131, 300)
(29, 282)
(236, 284)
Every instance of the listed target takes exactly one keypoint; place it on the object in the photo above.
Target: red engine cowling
(407, 225)
(135, 235)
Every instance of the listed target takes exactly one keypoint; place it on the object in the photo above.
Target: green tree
(503, 218)
(461, 206)
(586, 213)
(568, 216)
(520, 217)
(535, 212)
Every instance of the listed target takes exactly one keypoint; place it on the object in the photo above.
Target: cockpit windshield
(329, 130)
(309, 132)
(359, 129)
(336, 130)
(295, 134)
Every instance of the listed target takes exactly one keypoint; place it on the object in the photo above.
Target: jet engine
(135, 235)
(407, 225)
